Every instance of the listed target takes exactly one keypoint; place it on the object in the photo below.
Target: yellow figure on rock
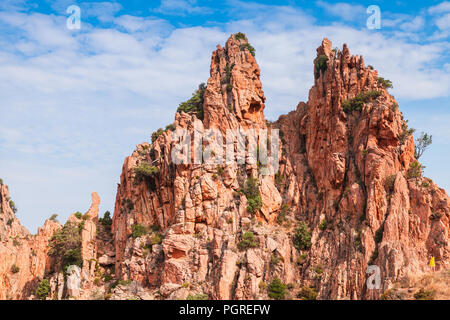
(432, 263)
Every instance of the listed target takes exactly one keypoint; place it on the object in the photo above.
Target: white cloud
(413, 25)
(343, 10)
(443, 22)
(440, 8)
(182, 7)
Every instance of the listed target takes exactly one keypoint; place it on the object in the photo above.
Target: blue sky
(75, 103)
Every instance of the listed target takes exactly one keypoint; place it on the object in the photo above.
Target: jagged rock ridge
(346, 171)
(347, 177)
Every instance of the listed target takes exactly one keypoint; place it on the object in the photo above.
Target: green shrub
(406, 132)
(248, 241)
(302, 237)
(357, 103)
(107, 277)
(279, 180)
(274, 259)
(415, 170)
(251, 192)
(1, 182)
(53, 217)
(12, 205)
(156, 134)
(320, 65)
(249, 47)
(16, 242)
(43, 290)
(422, 143)
(15, 268)
(106, 220)
(79, 215)
(139, 230)
(389, 183)
(198, 296)
(170, 127)
(239, 36)
(277, 289)
(423, 294)
(65, 245)
(194, 104)
(385, 82)
(318, 269)
(282, 215)
(301, 259)
(146, 172)
(10, 221)
(307, 293)
(323, 225)
(156, 238)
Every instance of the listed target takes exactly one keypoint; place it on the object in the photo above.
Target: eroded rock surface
(347, 173)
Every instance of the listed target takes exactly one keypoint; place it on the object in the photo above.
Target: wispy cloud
(345, 11)
(182, 7)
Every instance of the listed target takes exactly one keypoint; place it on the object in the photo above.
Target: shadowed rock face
(346, 171)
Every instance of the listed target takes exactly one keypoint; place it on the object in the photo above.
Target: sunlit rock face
(346, 175)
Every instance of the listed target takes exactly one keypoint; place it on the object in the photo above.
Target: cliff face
(24, 258)
(347, 170)
(348, 193)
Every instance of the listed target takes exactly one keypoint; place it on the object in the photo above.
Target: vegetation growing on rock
(357, 103)
(195, 104)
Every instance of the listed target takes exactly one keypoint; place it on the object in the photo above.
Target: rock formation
(348, 172)
(349, 193)
(24, 258)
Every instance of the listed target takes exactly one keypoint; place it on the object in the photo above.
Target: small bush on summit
(239, 36)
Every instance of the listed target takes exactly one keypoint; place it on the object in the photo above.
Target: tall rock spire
(234, 95)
